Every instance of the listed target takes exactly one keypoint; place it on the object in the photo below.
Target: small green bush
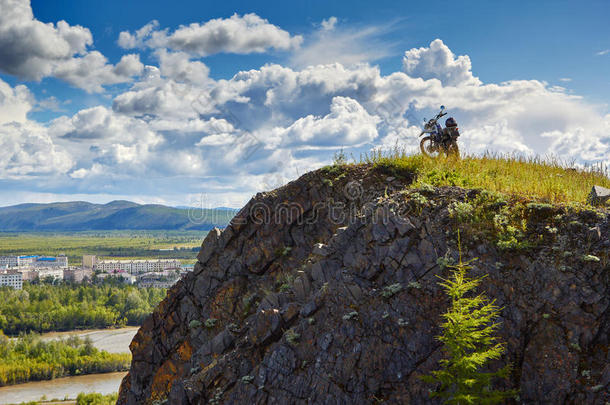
(469, 344)
(285, 287)
(210, 322)
(444, 261)
(462, 211)
(340, 158)
(391, 290)
(95, 398)
(445, 177)
(426, 188)
(248, 303)
(194, 324)
(283, 252)
(292, 336)
(418, 199)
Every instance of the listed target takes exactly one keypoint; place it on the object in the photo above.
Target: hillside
(326, 290)
(116, 215)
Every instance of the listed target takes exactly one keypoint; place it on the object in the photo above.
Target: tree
(469, 343)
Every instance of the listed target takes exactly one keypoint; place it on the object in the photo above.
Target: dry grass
(549, 180)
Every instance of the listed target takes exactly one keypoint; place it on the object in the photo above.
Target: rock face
(599, 195)
(325, 292)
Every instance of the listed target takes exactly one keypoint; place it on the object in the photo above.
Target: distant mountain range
(116, 215)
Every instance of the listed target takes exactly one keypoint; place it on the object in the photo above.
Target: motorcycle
(440, 141)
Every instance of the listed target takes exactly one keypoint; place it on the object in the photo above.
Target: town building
(8, 261)
(163, 279)
(120, 274)
(77, 274)
(89, 261)
(42, 273)
(137, 266)
(11, 278)
(47, 261)
(24, 262)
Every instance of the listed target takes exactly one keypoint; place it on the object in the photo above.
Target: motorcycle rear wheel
(427, 148)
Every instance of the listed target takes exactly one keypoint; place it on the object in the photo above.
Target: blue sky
(166, 116)
(544, 40)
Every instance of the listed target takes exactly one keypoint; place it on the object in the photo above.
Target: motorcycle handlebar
(439, 115)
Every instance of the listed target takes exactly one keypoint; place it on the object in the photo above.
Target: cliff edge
(325, 291)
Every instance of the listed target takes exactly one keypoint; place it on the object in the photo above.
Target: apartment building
(8, 261)
(12, 279)
(136, 266)
(24, 262)
(46, 261)
(77, 275)
(119, 274)
(89, 261)
(41, 273)
(164, 279)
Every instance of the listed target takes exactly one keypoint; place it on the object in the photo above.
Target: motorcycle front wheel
(428, 148)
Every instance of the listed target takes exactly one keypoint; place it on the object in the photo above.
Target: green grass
(96, 399)
(546, 180)
(127, 245)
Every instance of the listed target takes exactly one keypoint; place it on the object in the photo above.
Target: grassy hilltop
(545, 180)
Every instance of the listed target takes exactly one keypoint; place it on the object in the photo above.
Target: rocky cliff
(326, 291)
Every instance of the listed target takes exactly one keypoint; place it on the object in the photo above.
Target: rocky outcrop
(326, 291)
(599, 195)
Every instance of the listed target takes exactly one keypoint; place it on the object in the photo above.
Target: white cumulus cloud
(32, 50)
(238, 34)
(348, 123)
(293, 115)
(91, 72)
(26, 150)
(179, 67)
(128, 40)
(179, 130)
(15, 103)
(438, 62)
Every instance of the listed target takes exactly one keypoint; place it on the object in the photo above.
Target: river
(61, 388)
(112, 340)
